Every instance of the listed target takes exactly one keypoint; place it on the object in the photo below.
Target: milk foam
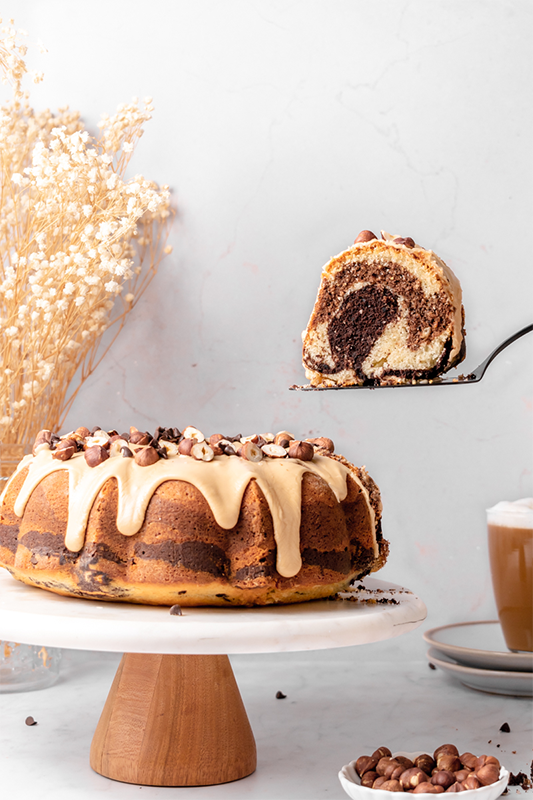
(517, 514)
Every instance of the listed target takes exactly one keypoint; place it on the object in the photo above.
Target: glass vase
(23, 667)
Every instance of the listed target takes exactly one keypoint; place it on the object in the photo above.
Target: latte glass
(25, 667)
(510, 532)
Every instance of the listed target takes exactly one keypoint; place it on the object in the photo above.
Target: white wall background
(284, 127)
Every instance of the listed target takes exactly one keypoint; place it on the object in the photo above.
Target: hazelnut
(443, 777)
(482, 761)
(140, 437)
(461, 774)
(446, 748)
(365, 764)
(386, 766)
(201, 451)
(64, 453)
(365, 236)
(301, 450)
(193, 433)
(98, 437)
(468, 760)
(378, 783)
(368, 779)
(425, 762)
(488, 773)
(323, 443)
(42, 441)
(404, 761)
(381, 752)
(274, 451)
(412, 777)
(185, 446)
(251, 452)
(215, 438)
(66, 442)
(146, 456)
(427, 788)
(471, 782)
(283, 438)
(456, 787)
(95, 455)
(171, 448)
(82, 432)
(392, 786)
(447, 761)
(406, 241)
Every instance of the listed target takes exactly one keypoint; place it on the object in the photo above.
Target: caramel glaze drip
(222, 482)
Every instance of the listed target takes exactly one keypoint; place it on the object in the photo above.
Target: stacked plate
(475, 653)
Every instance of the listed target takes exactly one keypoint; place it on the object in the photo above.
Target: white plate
(478, 644)
(486, 680)
(351, 783)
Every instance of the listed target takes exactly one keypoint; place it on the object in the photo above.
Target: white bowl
(351, 783)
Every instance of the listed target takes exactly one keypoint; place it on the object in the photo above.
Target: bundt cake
(175, 518)
(387, 312)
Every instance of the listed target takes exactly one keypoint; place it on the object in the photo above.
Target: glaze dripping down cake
(176, 517)
(387, 312)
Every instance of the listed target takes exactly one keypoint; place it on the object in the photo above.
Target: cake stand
(174, 715)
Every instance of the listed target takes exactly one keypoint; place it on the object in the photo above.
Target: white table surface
(339, 705)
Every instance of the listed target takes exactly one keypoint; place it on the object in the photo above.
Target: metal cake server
(472, 377)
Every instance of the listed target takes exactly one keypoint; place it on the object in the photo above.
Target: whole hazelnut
(386, 766)
(82, 432)
(446, 748)
(392, 786)
(146, 456)
(489, 773)
(448, 761)
(215, 438)
(301, 450)
(381, 752)
(443, 778)
(378, 783)
(405, 762)
(365, 236)
(185, 446)
(427, 788)
(368, 779)
(425, 762)
(471, 782)
(468, 760)
(461, 774)
(456, 787)
(140, 437)
(412, 777)
(95, 455)
(365, 764)
(482, 761)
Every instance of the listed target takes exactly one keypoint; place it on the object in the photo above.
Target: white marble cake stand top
(35, 616)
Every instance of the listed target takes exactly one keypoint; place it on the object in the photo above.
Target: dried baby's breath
(78, 245)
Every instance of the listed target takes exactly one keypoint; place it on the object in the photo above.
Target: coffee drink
(510, 529)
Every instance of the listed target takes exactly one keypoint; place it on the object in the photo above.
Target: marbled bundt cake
(387, 312)
(175, 518)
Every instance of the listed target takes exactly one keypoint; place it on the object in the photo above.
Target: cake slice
(388, 311)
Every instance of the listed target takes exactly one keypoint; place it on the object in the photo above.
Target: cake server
(472, 377)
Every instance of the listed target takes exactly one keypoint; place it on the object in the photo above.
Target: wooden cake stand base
(174, 715)
(174, 720)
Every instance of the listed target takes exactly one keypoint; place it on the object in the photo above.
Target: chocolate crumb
(505, 728)
(431, 666)
(30, 721)
(280, 696)
(520, 779)
(176, 611)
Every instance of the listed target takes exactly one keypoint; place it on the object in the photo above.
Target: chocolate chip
(176, 611)
(280, 696)
(505, 728)
(126, 452)
(30, 721)
(431, 666)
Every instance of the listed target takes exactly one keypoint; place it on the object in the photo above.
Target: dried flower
(78, 245)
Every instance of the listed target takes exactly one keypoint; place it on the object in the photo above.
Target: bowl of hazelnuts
(375, 777)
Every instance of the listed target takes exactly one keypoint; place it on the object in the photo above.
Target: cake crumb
(521, 780)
